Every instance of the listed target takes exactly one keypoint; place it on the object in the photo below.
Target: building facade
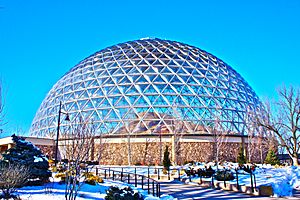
(152, 88)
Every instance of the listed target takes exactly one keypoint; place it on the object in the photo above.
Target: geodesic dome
(149, 86)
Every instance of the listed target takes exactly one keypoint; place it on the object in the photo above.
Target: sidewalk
(183, 191)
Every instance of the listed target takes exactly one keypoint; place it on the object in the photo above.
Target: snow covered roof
(33, 140)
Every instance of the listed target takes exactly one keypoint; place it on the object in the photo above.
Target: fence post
(169, 174)
(158, 177)
(212, 181)
(157, 189)
(128, 178)
(105, 173)
(122, 175)
(135, 178)
(254, 180)
(148, 186)
(199, 175)
(148, 173)
(142, 182)
(113, 175)
(179, 174)
(237, 179)
(153, 191)
(252, 189)
(97, 171)
(109, 172)
(190, 178)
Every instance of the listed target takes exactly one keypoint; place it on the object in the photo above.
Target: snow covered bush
(26, 154)
(224, 175)
(12, 176)
(115, 193)
(206, 173)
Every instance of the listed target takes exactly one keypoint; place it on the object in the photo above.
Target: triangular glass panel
(167, 89)
(141, 79)
(125, 80)
(142, 63)
(151, 70)
(158, 79)
(159, 101)
(150, 90)
(75, 107)
(134, 70)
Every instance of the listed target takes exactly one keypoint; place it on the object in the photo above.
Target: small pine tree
(26, 154)
(167, 161)
(241, 159)
(272, 158)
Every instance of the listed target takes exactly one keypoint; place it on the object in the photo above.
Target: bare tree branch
(283, 120)
(2, 114)
(12, 176)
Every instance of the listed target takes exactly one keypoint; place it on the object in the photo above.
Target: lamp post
(58, 127)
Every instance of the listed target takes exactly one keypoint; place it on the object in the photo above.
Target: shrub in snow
(12, 176)
(62, 177)
(26, 154)
(224, 175)
(272, 158)
(248, 168)
(91, 178)
(115, 193)
(206, 173)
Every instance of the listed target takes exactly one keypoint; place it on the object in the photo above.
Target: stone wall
(149, 153)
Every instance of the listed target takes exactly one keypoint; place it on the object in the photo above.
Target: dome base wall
(148, 150)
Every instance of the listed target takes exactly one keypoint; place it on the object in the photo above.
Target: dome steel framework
(149, 86)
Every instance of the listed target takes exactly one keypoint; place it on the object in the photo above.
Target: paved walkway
(193, 191)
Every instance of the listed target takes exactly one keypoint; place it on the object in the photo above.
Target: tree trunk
(295, 161)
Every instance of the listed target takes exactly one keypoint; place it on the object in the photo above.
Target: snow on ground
(55, 190)
(283, 179)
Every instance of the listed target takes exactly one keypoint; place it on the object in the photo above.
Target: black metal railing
(193, 173)
(145, 182)
(158, 172)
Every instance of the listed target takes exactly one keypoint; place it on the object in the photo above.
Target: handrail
(155, 185)
(252, 178)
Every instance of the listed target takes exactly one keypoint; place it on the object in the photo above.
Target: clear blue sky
(41, 40)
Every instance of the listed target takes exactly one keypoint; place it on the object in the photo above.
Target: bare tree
(177, 128)
(2, 115)
(260, 139)
(78, 149)
(12, 176)
(263, 143)
(146, 149)
(283, 119)
(219, 138)
(178, 135)
(252, 132)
